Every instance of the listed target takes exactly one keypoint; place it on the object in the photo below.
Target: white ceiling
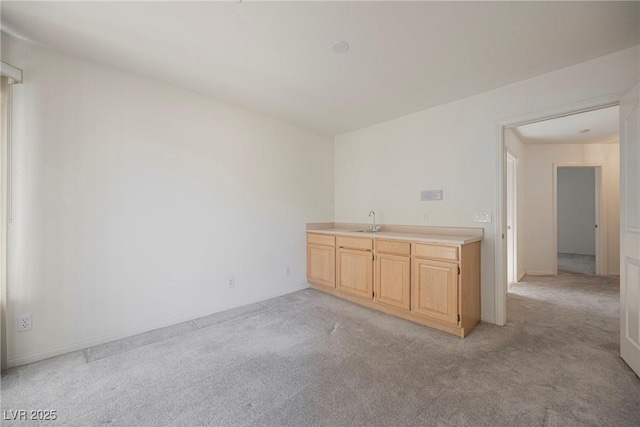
(277, 57)
(603, 125)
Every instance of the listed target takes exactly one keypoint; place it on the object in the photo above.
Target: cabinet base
(458, 331)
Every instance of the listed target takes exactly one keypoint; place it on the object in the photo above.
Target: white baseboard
(539, 273)
(488, 319)
(81, 345)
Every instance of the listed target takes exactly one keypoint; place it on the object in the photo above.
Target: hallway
(577, 263)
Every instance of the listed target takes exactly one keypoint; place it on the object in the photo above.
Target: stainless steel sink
(365, 231)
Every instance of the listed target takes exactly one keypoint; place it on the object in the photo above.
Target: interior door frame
(10, 76)
(500, 249)
(512, 199)
(601, 210)
(5, 121)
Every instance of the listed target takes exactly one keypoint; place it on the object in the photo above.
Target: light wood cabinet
(354, 243)
(436, 285)
(321, 260)
(392, 277)
(354, 266)
(434, 291)
(321, 239)
(440, 252)
(394, 247)
(393, 280)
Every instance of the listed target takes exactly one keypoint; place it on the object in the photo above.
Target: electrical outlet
(425, 217)
(286, 271)
(482, 217)
(24, 323)
(231, 282)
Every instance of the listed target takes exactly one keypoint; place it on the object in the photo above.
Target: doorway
(577, 218)
(537, 254)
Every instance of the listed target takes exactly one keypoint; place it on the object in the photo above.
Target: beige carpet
(310, 359)
(577, 263)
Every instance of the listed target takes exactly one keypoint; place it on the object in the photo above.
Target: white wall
(135, 201)
(516, 146)
(453, 147)
(540, 251)
(576, 207)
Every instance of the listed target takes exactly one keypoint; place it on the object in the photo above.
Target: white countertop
(442, 239)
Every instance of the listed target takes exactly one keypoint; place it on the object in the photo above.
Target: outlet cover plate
(482, 217)
(430, 195)
(24, 323)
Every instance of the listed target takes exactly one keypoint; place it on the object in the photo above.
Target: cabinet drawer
(423, 250)
(354, 243)
(321, 239)
(393, 247)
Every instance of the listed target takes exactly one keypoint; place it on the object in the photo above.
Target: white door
(630, 229)
(511, 218)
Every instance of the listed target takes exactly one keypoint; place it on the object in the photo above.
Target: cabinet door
(434, 291)
(321, 265)
(354, 272)
(392, 280)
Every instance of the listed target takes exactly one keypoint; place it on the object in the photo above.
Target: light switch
(482, 217)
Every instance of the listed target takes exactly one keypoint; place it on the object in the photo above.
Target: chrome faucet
(373, 227)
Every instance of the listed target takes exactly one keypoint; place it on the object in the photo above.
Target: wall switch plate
(286, 271)
(482, 217)
(231, 282)
(24, 323)
(429, 195)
